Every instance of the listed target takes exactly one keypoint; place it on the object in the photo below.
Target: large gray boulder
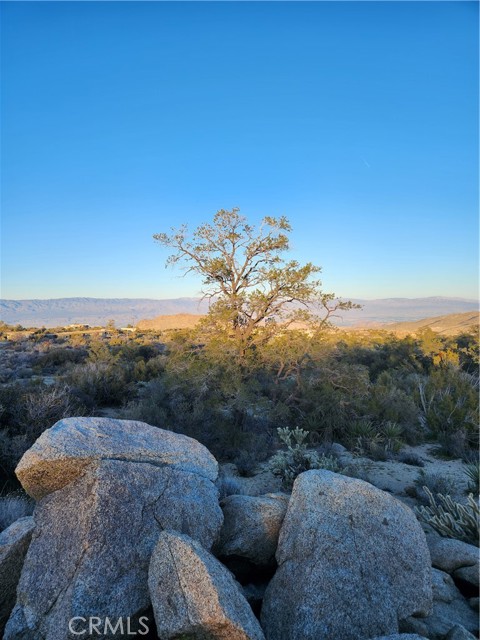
(352, 561)
(449, 609)
(251, 527)
(194, 596)
(63, 452)
(95, 535)
(14, 542)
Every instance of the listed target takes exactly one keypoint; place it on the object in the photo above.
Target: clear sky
(356, 120)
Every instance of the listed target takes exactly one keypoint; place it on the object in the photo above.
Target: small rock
(468, 576)
(449, 609)
(459, 633)
(251, 527)
(195, 596)
(338, 449)
(449, 554)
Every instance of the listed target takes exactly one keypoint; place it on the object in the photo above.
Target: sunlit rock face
(100, 516)
(63, 452)
(195, 596)
(352, 562)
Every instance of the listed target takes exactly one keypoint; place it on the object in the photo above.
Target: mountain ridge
(98, 311)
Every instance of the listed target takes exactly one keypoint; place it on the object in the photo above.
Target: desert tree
(254, 291)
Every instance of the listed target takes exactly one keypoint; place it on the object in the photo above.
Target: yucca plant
(364, 436)
(391, 434)
(472, 471)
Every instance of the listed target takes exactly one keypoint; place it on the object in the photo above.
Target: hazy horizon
(198, 297)
(356, 120)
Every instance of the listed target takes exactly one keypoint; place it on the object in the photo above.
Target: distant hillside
(176, 321)
(98, 311)
(449, 325)
(93, 311)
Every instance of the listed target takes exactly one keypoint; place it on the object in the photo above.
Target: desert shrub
(151, 407)
(12, 448)
(99, 384)
(363, 436)
(245, 463)
(14, 506)
(297, 458)
(411, 458)
(472, 471)
(390, 401)
(435, 484)
(468, 347)
(379, 442)
(452, 519)
(43, 406)
(448, 399)
(52, 359)
(25, 412)
(391, 434)
(334, 395)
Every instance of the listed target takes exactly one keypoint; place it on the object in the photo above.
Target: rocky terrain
(129, 536)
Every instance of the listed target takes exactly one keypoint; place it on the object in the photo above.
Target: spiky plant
(452, 519)
(472, 471)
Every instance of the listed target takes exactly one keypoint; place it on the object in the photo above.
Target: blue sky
(356, 120)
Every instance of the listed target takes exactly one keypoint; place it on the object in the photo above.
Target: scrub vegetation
(265, 358)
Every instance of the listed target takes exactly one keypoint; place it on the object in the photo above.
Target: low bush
(297, 458)
(14, 506)
(449, 403)
(411, 458)
(99, 384)
(435, 484)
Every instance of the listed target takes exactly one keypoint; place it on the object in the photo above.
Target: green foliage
(472, 471)
(247, 278)
(297, 458)
(435, 483)
(452, 519)
(366, 438)
(365, 390)
(448, 399)
(99, 383)
(390, 400)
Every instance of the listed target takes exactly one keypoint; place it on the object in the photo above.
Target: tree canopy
(253, 290)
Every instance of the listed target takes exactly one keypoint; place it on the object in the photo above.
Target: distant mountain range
(98, 311)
